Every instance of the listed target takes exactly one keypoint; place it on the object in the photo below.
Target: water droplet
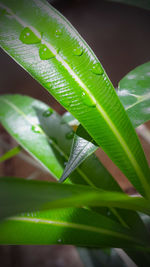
(27, 36)
(36, 128)
(58, 32)
(87, 100)
(78, 51)
(97, 69)
(47, 112)
(70, 135)
(45, 53)
(48, 85)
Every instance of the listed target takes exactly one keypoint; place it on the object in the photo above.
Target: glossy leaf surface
(67, 226)
(86, 92)
(134, 93)
(19, 195)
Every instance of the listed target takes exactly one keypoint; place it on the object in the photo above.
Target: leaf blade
(134, 93)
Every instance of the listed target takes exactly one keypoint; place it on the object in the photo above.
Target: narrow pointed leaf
(134, 93)
(11, 153)
(85, 91)
(67, 226)
(19, 195)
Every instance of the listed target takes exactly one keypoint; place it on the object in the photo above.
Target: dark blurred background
(120, 36)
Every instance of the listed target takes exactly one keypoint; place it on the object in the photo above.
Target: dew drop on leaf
(87, 101)
(45, 53)
(70, 135)
(78, 51)
(27, 36)
(97, 69)
(36, 128)
(47, 113)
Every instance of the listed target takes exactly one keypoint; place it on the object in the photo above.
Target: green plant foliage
(37, 195)
(91, 171)
(82, 147)
(67, 226)
(18, 195)
(86, 92)
(11, 153)
(43, 133)
(134, 93)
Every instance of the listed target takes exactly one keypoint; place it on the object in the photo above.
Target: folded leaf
(44, 43)
(82, 147)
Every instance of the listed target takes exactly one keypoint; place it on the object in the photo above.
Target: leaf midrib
(74, 226)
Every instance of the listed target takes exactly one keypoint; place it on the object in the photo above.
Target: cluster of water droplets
(29, 36)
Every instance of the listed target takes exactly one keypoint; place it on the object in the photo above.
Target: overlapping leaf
(19, 195)
(71, 226)
(134, 93)
(43, 133)
(51, 147)
(48, 47)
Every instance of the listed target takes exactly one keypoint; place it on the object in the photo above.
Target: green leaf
(11, 153)
(20, 117)
(67, 226)
(134, 93)
(19, 195)
(85, 91)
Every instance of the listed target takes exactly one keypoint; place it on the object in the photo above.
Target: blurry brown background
(120, 37)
